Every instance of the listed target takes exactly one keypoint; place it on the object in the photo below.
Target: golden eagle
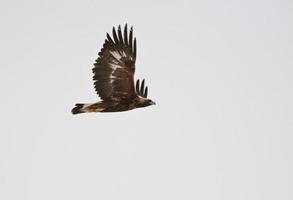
(114, 76)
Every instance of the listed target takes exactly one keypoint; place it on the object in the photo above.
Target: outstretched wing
(115, 66)
(140, 90)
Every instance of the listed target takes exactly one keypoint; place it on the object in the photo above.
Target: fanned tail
(88, 107)
(78, 108)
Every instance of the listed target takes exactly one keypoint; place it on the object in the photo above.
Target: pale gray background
(220, 72)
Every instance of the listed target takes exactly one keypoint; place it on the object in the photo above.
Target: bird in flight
(114, 76)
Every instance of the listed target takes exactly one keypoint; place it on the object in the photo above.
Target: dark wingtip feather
(146, 92)
(130, 38)
(137, 86)
(142, 87)
(115, 36)
(120, 35)
(109, 38)
(125, 35)
(131, 29)
(134, 48)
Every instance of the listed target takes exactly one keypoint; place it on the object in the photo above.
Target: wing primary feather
(130, 38)
(142, 87)
(137, 86)
(120, 35)
(125, 35)
(134, 49)
(146, 92)
(115, 36)
(109, 38)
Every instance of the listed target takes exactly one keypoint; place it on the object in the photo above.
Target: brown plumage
(114, 76)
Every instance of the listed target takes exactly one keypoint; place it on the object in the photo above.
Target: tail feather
(78, 108)
(88, 107)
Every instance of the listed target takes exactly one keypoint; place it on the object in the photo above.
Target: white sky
(219, 71)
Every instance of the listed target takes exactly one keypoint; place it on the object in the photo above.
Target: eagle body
(112, 106)
(114, 76)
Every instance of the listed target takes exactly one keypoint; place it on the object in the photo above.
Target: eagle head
(144, 102)
(149, 102)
